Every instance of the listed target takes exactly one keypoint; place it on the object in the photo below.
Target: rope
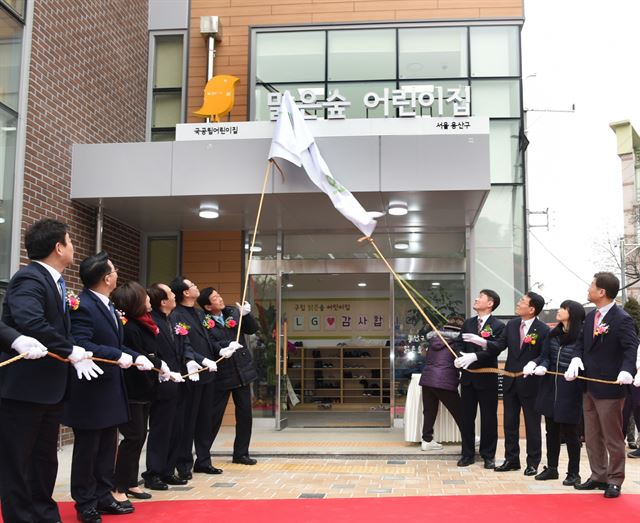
(11, 360)
(510, 374)
(99, 360)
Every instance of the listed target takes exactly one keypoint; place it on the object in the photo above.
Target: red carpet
(550, 508)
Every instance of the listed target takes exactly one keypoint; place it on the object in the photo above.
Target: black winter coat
(238, 370)
(558, 399)
(141, 386)
(171, 350)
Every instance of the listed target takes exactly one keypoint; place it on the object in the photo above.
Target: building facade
(94, 143)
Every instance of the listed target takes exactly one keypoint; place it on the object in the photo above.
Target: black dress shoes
(155, 483)
(489, 464)
(185, 475)
(173, 480)
(531, 470)
(207, 469)
(244, 460)
(571, 479)
(137, 495)
(91, 515)
(612, 491)
(465, 461)
(547, 473)
(115, 508)
(507, 466)
(591, 485)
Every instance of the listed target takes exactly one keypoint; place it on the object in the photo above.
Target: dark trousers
(28, 461)
(556, 433)
(134, 434)
(631, 406)
(513, 404)
(198, 427)
(487, 398)
(244, 419)
(92, 466)
(431, 399)
(604, 438)
(165, 430)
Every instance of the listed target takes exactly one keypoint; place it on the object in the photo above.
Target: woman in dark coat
(140, 333)
(560, 401)
(439, 381)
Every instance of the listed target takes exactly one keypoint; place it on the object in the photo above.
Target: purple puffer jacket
(438, 371)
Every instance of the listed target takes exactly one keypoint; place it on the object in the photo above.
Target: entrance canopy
(440, 172)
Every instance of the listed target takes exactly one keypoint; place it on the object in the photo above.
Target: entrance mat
(552, 508)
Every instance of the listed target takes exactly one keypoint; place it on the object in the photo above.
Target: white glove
(636, 381)
(528, 369)
(78, 354)
(211, 365)
(475, 339)
(624, 378)
(540, 371)
(125, 361)
(465, 360)
(87, 369)
(143, 363)
(244, 309)
(192, 367)
(176, 377)
(30, 347)
(165, 374)
(574, 367)
(228, 351)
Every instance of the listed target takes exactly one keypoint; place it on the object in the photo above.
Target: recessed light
(401, 246)
(256, 247)
(362, 284)
(208, 212)
(435, 284)
(289, 285)
(398, 209)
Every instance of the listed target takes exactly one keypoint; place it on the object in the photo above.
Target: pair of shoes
(531, 471)
(431, 445)
(507, 466)
(137, 495)
(612, 491)
(571, 479)
(207, 469)
(185, 475)
(244, 460)
(489, 463)
(633, 445)
(465, 461)
(634, 454)
(115, 508)
(155, 483)
(591, 485)
(547, 473)
(173, 480)
(91, 515)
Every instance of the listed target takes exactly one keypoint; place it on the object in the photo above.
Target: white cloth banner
(293, 142)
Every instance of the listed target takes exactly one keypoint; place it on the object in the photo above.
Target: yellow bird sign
(218, 97)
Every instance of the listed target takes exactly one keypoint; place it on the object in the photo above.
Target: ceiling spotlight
(208, 212)
(362, 284)
(435, 284)
(289, 285)
(398, 209)
(401, 246)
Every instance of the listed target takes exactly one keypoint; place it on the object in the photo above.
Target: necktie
(479, 324)
(523, 332)
(112, 308)
(63, 292)
(596, 321)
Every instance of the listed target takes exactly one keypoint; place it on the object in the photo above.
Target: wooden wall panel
(237, 15)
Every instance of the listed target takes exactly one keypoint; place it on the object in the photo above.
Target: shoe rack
(342, 374)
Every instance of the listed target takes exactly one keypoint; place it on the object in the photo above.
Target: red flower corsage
(208, 322)
(531, 338)
(486, 332)
(230, 323)
(73, 301)
(182, 329)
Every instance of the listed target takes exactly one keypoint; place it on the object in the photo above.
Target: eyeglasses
(111, 272)
(192, 285)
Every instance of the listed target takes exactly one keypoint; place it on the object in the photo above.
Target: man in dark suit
(524, 338)
(32, 391)
(200, 352)
(479, 389)
(236, 372)
(606, 350)
(95, 409)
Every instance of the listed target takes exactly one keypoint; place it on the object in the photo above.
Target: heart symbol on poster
(330, 321)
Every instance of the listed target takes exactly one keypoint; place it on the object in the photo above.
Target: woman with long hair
(560, 401)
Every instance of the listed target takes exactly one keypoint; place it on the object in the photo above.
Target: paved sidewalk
(298, 463)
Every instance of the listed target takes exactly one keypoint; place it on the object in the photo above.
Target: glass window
(495, 51)
(167, 109)
(8, 125)
(10, 59)
(262, 111)
(16, 5)
(297, 56)
(162, 259)
(364, 54)
(355, 92)
(168, 61)
(439, 101)
(499, 246)
(506, 160)
(433, 53)
(496, 98)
